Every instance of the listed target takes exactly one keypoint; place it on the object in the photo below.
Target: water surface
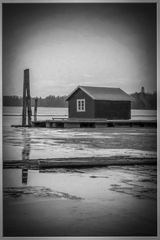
(113, 201)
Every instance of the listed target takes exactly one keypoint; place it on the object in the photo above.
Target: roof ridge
(98, 87)
(101, 92)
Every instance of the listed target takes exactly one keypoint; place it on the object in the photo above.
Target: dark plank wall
(113, 109)
(72, 105)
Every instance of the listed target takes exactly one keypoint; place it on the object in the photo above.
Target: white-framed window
(80, 105)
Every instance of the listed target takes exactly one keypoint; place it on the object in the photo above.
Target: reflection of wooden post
(35, 109)
(25, 155)
(26, 99)
(24, 175)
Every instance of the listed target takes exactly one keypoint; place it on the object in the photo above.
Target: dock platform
(93, 123)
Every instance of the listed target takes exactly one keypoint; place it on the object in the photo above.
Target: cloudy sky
(70, 44)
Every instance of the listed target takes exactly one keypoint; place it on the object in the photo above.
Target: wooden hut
(99, 102)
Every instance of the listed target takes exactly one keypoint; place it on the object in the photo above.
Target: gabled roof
(103, 93)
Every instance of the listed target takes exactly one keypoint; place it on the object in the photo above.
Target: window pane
(80, 105)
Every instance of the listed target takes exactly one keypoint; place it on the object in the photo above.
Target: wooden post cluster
(26, 99)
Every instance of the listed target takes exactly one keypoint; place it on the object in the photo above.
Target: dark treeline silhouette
(49, 101)
(142, 100)
(12, 101)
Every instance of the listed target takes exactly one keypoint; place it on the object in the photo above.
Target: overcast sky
(65, 45)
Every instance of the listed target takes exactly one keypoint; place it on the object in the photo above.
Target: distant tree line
(144, 100)
(49, 101)
(141, 101)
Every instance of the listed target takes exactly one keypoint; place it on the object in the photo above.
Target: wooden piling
(24, 102)
(26, 99)
(29, 99)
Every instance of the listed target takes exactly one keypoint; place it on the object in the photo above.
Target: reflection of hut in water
(25, 154)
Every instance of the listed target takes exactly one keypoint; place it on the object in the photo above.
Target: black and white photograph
(79, 119)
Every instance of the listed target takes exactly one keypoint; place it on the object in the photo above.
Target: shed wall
(113, 109)
(89, 105)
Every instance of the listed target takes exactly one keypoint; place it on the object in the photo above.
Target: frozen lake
(48, 143)
(52, 143)
(113, 201)
(48, 113)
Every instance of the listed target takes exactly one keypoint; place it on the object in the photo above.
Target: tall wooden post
(24, 102)
(26, 99)
(35, 109)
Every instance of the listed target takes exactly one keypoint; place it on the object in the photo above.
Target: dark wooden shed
(99, 102)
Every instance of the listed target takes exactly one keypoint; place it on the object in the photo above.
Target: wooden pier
(93, 123)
